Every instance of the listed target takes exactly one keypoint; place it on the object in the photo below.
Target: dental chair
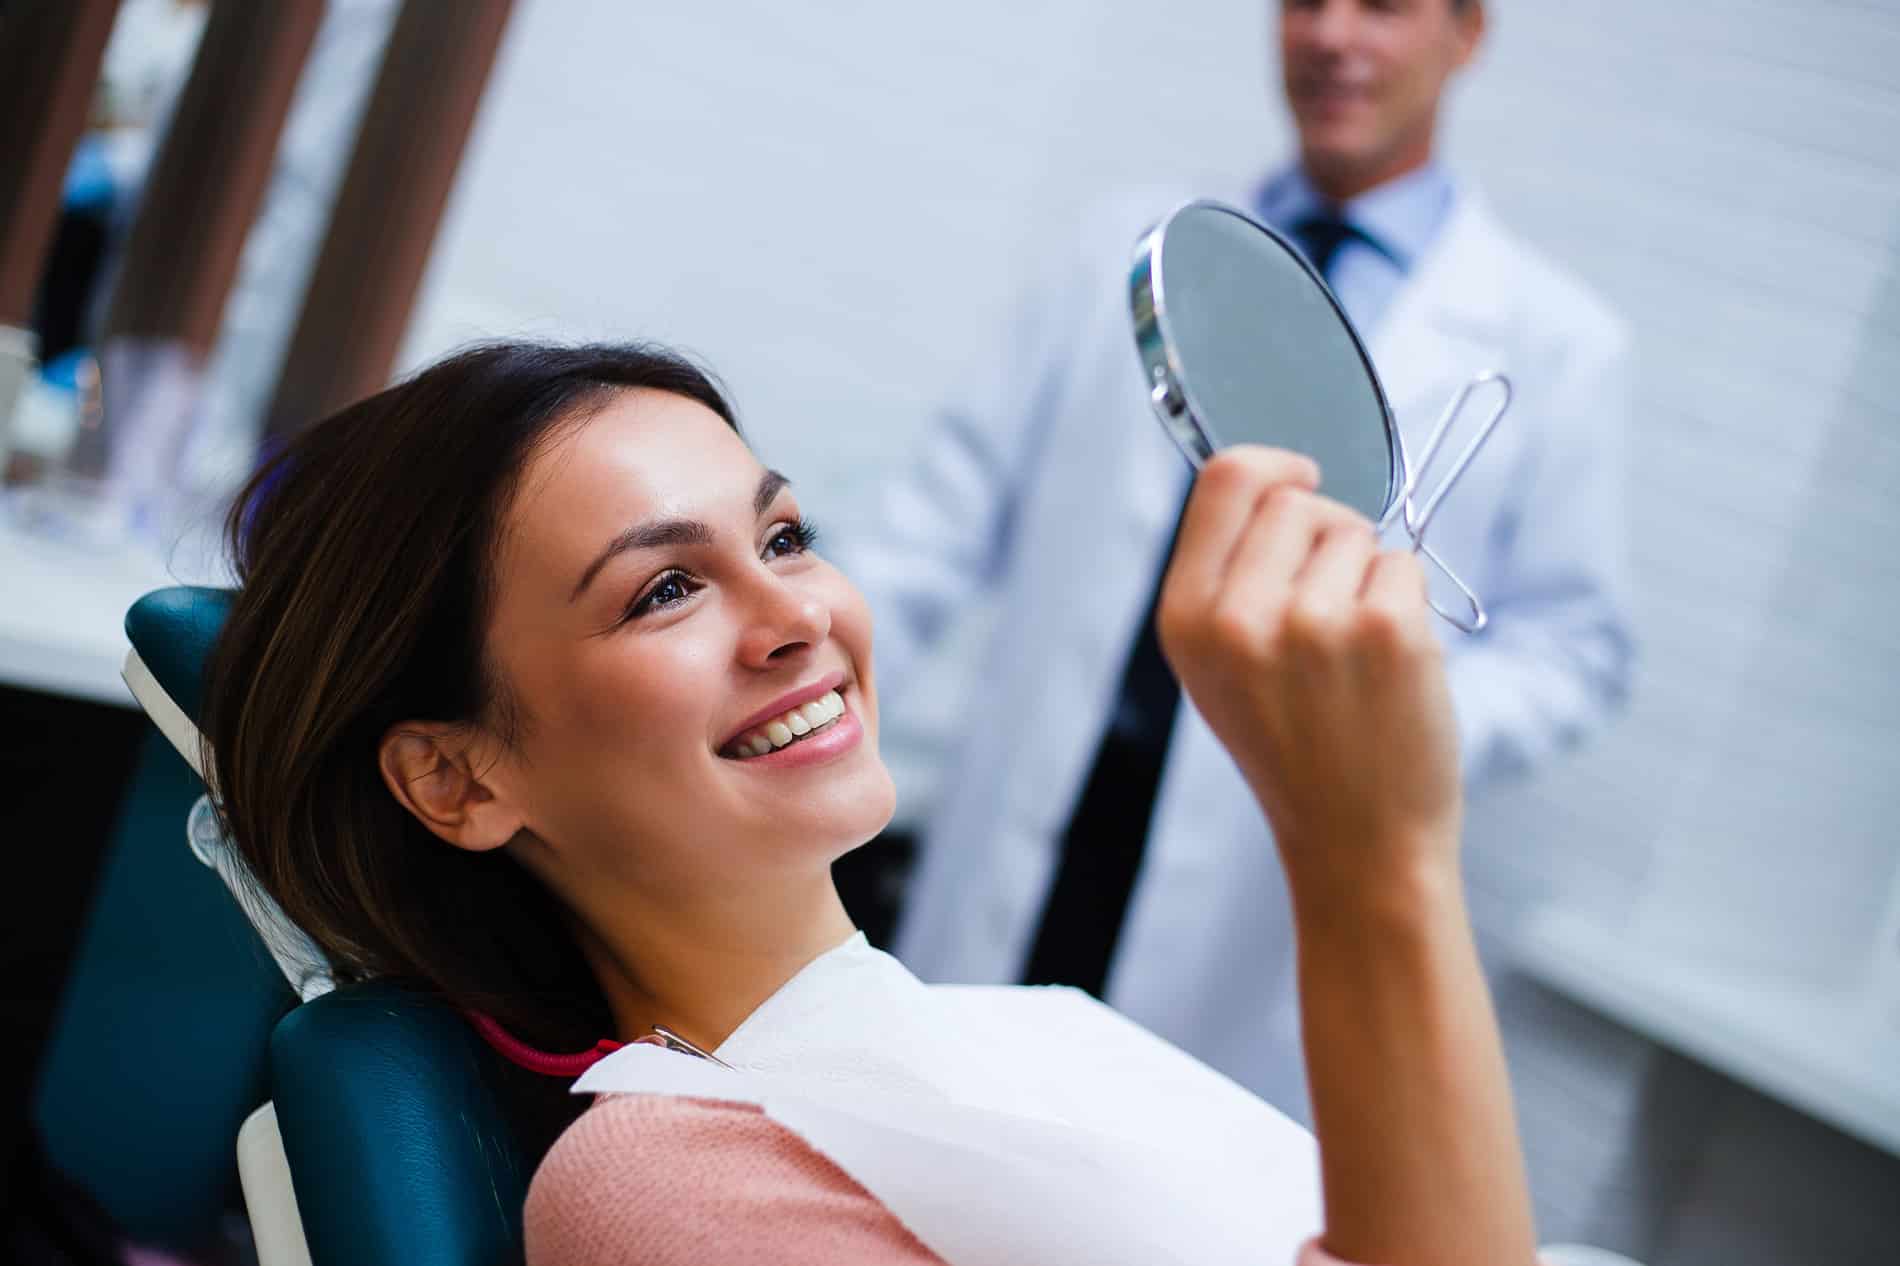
(383, 1142)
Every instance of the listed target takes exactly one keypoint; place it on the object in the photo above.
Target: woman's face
(660, 622)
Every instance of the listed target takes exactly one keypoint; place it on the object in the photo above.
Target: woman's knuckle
(1421, 644)
(1174, 626)
(1227, 471)
(1286, 504)
(1311, 622)
(1233, 629)
(1410, 570)
(1381, 626)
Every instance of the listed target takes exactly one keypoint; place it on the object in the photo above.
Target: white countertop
(62, 614)
(1830, 1053)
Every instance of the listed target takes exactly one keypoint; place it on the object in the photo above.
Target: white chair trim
(269, 1197)
(165, 713)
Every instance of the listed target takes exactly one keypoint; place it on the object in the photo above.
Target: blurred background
(219, 221)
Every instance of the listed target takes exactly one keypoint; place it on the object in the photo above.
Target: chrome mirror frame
(1172, 397)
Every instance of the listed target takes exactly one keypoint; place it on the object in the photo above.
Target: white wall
(829, 202)
(826, 201)
(1730, 175)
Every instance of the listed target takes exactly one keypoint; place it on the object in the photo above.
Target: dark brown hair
(364, 554)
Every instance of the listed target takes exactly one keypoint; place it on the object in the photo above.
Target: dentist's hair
(365, 552)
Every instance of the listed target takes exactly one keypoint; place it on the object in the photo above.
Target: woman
(535, 695)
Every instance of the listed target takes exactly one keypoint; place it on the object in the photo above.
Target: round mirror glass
(1244, 344)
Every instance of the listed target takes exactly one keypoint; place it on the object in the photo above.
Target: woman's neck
(700, 968)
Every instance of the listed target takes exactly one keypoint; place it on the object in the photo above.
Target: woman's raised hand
(1311, 655)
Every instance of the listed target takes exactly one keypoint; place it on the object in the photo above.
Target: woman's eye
(792, 538)
(675, 587)
(671, 590)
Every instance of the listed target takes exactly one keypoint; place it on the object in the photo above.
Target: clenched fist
(1311, 655)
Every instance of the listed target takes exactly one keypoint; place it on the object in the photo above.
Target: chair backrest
(398, 1148)
(383, 1100)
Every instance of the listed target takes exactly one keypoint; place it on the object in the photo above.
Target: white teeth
(794, 724)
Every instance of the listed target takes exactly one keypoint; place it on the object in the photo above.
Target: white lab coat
(1052, 487)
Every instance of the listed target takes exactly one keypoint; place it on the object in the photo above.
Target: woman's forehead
(642, 455)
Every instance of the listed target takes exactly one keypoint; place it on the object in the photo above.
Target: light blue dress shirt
(1403, 216)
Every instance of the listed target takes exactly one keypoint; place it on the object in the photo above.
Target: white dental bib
(1007, 1125)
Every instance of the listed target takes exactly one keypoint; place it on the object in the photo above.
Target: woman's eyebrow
(673, 532)
(771, 483)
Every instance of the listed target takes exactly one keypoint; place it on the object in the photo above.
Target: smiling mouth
(1330, 91)
(791, 726)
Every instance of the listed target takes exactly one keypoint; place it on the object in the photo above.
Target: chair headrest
(172, 632)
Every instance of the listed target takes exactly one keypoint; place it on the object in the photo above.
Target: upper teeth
(787, 726)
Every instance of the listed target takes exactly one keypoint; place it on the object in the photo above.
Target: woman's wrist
(1410, 1097)
(1382, 951)
(1393, 888)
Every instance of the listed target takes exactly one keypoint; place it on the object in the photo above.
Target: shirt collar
(1402, 215)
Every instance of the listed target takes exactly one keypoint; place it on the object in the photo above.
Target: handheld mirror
(1243, 343)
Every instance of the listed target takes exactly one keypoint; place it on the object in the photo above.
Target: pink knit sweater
(644, 1180)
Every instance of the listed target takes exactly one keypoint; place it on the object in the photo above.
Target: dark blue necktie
(1321, 237)
(1108, 831)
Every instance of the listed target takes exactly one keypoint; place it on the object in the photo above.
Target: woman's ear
(431, 769)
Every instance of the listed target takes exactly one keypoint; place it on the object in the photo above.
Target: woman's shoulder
(650, 1180)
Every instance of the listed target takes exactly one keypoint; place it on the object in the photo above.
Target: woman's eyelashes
(669, 590)
(675, 586)
(801, 534)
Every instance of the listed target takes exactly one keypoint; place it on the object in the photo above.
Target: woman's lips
(787, 727)
(828, 684)
(816, 748)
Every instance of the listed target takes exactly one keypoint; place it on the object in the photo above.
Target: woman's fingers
(1269, 566)
(1312, 658)
(1328, 587)
(1222, 504)
(1394, 596)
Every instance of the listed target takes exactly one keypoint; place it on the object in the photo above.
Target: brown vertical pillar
(388, 209)
(50, 52)
(210, 174)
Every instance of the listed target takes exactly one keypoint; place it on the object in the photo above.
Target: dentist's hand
(1311, 655)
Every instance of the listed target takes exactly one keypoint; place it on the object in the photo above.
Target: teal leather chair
(384, 1142)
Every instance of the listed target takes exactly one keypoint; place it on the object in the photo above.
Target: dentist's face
(693, 680)
(1364, 77)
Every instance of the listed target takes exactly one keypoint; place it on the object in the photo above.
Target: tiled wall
(830, 202)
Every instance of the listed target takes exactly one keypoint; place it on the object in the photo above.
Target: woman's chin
(870, 810)
(863, 807)
(834, 813)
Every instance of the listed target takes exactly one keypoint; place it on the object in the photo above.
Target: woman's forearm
(1311, 655)
(1411, 1098)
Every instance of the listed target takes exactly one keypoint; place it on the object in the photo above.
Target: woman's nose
(784, 619)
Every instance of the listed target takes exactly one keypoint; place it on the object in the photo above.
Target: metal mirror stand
(1405, 507)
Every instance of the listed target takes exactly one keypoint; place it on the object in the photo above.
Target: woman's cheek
(852, 627)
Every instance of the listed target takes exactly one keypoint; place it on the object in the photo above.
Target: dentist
(1091, 830)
